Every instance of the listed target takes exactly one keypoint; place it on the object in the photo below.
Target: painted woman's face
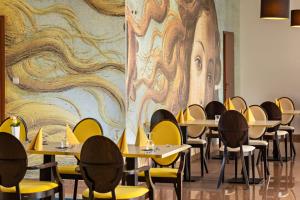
(203, 56)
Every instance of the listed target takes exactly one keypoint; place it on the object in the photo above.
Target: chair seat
(279, 133)
(31, 186)
(246, 149)
(285, 127)
(68, 169)
(196, 141)
(258, 142)
(122, 192)
(162, 172)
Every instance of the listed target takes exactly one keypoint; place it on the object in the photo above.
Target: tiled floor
(284, 183)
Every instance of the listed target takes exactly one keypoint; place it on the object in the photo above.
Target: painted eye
(210, 78)
(198, 62)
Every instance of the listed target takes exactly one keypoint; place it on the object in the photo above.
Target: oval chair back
(166, 132)
(233, 129)
(273, 113)
(13, 160)
(161, 115)
(286, 104)
(5, 127)
(197, 113)
(259, 114)
(239, 103)
(101, 164)
(87, 128)
(214, 108)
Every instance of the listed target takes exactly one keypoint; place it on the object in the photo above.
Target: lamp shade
(275, 9)
(295, 18)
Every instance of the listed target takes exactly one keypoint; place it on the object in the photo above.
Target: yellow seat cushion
(162, 172)
(68, 169)
(31, 186)
(122, 192)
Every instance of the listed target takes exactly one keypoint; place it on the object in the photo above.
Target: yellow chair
(167, 132)
(102, 170)
(13, 169)
(85, 129)
(5, 127)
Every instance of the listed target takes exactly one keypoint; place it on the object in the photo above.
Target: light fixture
(275, 9)
(295, 18)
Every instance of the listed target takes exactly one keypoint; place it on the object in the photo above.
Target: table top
(291, 112)
(161, 151)
(213, 123)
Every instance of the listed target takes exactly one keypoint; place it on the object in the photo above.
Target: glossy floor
(284, 183)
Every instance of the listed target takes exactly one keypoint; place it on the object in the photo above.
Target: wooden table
(213, 123)
(161, 151)
(291, 112)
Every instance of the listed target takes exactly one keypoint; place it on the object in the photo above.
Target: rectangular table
(214, 123)
(161, 151)
(291, 112)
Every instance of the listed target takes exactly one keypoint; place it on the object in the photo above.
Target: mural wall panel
(69, 56)
(173, 57)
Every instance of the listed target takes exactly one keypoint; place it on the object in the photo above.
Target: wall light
(275, 9)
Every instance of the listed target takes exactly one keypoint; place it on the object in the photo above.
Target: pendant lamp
(275, 9)
(295, 18)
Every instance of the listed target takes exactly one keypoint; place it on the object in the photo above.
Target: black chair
(212, 109)
(287, 103)
(160, 115)
(195, 134)
(83, 130)
(13, 167)
(233, 129)
(101, 166)
(274, 113)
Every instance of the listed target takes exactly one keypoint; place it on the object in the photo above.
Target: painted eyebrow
(201, 45)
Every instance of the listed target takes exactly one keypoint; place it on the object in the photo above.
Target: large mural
(69, 57)
(173, 56)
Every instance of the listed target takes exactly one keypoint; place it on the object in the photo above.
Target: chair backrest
(101, 164)
(259, 114)
(286, 104)
(214, 108)
(161, 115)
(239, 103)
(13, 160)
(273, 113)
(233, 129)
(5, 127)
(166, 132)
(198, 113)
(87, 128)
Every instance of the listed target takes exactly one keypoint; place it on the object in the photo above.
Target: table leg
(131, 163)
(188, 158)
(47, 174)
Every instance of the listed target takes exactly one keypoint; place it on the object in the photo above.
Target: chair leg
(253, 168)
(179, 189)
(258, 157)
(286, 147)
(278, 150)
(221, 176)
(208, 147)
(202, 160)
(61, 194)
(245, 173)
(235, 165)
(75, 189)
(291, 143)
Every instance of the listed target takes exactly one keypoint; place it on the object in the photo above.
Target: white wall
(269, 57)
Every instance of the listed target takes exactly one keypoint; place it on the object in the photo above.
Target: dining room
(149, 99)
